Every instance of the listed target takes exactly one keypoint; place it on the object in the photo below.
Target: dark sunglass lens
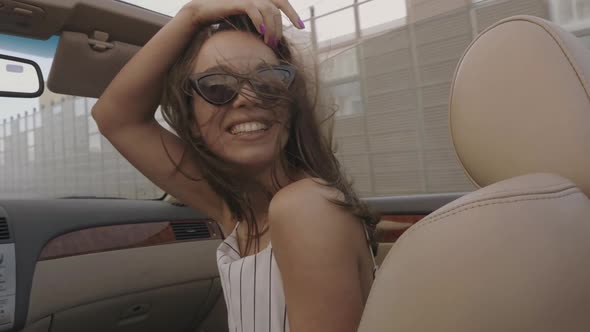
(218, 89)
(271, 79)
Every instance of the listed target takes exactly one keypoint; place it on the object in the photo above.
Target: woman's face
(240, 132)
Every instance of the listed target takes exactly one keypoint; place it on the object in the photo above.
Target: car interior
(508, 256)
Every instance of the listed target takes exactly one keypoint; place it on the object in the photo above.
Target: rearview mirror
(20, 78)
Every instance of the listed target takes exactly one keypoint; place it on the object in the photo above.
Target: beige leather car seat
(514, 255)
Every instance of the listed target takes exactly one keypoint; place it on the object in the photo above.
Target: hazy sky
(371, 14)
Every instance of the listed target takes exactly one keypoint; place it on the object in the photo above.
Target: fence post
(357, 20)
(314, 34)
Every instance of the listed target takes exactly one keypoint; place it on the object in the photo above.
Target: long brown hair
(308, 148)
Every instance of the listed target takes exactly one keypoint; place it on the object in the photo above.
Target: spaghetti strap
(224, 237)
(375, 266)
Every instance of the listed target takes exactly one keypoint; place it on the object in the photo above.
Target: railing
(355, 35)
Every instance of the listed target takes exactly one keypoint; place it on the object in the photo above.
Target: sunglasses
(220, 88)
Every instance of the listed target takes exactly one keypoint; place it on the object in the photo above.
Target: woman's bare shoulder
(317, 244)
(307, 208)
(307, 186)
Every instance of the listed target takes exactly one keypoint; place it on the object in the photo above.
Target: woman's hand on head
(265, 14)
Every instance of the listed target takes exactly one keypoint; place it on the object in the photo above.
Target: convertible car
(467, 129)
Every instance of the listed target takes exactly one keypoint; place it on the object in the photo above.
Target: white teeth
(247, 127)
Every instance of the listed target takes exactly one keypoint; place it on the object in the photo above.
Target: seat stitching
(570, 186)
(427, 222)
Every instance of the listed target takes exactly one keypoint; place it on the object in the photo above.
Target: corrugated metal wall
(400, 143)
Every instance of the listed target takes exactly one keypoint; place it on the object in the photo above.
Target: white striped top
(253, 288)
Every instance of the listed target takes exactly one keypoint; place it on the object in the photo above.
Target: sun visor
(84, 66)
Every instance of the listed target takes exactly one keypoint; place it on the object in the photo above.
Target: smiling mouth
(248, 128)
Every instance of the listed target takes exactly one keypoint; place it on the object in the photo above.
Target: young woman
(249, 152)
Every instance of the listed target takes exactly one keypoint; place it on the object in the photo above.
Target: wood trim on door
(391, 227)
(117, 237)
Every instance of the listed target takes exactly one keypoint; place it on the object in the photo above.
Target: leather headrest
(520, 103)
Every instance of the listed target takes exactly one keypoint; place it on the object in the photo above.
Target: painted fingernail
(263, 29)
(301, 24)
(271, 41)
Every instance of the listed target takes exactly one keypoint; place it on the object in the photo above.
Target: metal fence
(392, 85)
(58, 152)
(391, 82)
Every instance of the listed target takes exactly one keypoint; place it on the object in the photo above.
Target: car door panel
(92, 262)
(172, 308)
(64, 283)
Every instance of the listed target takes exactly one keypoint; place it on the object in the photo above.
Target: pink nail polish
(301, 24)
(272, 41)
(263, 29)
